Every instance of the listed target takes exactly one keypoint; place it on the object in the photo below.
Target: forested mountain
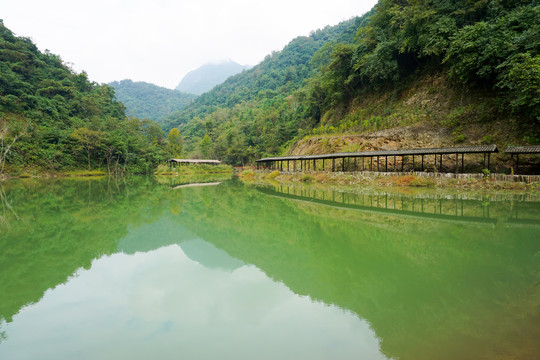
(52, 118)
(149, 101)
(253, 112)
(487, 53)
(477, 61)
(204, 78)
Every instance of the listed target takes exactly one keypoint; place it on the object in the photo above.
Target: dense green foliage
(483, 43)
(149, 101)
(490, 46)
(52, 118)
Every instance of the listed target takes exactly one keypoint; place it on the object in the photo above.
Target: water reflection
(516, 209)
(165, 232)
(427, 288)
(193, 180)
(161, 302)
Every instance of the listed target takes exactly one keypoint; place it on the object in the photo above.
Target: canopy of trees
(62, 120)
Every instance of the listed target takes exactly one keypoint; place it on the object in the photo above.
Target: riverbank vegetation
(193, 169)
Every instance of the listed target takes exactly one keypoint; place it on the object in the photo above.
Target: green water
(138, 268)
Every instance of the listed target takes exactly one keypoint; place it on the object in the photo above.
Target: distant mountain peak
(207, 76)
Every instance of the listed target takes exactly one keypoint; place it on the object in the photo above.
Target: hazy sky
(159, 41)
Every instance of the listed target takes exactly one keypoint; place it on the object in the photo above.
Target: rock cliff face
(421, 136)
(411, 137)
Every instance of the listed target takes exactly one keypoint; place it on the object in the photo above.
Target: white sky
(160, 41)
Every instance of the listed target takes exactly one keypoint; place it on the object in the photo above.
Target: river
(135, 268)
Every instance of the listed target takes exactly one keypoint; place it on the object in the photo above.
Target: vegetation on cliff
(351, 78)
(487, 49)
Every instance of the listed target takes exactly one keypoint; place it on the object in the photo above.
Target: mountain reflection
(436, 276)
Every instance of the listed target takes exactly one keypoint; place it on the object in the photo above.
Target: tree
(11, 129)
(175, 144)
(114, 146)
(205, 145)
(152, 131)
(521, 77)
(87, 140)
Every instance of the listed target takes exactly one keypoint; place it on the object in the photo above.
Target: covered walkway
(193, 161)
(515, 151)
(380, 160)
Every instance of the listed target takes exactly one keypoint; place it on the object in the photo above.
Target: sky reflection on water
(161, 304)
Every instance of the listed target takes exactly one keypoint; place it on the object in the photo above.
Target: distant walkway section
(194, 161)
(515, 151)
(383, 160)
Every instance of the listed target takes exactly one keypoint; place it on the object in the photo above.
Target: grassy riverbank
(161, 170)
(193, 169)
(389, 180)
(34, 173)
